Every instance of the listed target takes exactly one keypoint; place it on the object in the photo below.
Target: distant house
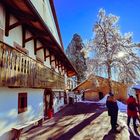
(96, 87)
(33, 66)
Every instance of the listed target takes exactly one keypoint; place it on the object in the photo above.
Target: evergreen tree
(77, 56)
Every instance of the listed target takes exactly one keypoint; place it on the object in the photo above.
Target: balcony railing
(19, 70)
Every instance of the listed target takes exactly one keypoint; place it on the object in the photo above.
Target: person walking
(112, 107)
(131, 111)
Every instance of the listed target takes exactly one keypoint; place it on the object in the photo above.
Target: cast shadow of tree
(68, 135)
(65, 117)
(82, 108)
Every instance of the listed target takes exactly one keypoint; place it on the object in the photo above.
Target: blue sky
(79, 16)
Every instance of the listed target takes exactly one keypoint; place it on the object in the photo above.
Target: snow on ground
(103, 100)
(81, 123)
(122, 107)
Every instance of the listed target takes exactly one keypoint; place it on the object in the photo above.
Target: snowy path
(82, 121)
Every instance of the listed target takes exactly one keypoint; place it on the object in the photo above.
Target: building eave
(27, 9)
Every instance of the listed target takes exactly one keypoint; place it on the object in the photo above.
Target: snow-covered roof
(137, 87)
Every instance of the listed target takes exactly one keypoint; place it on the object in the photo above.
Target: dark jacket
(112, 106)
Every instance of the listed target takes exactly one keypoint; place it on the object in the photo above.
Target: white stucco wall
(30, 46)
(15, 35)
(2, 25)
(9, 116)
(2, 15)
(58, 103)
(40, 53)
(47, 62)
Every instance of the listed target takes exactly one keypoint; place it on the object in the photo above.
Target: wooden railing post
(19, 70)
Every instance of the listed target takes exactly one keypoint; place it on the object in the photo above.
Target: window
(22, 102)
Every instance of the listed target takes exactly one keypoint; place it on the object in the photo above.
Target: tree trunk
(109, 77)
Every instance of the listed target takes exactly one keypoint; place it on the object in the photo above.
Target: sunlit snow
(122, 107)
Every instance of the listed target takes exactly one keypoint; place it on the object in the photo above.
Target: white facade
(15, 36)
(58, 100)
(9, 116)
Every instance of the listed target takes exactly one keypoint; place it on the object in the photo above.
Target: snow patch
(122, 107)
(136, 87)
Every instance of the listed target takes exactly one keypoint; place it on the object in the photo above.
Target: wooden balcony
(19, 70)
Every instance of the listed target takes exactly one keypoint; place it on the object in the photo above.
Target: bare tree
(114, 53)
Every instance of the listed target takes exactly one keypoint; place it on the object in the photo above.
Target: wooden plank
(19, 70)
(7, 22)
(35, 45)
(3, 76)
(14, 25)
(1, 60)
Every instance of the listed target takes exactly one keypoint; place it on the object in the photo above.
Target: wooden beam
(44, 54)
(18, 13)
(52, 60)
(23, 36)
(24, 39)
(35, 44)
(39, 48)
(36, 31)
(55, 63)
(15, 25)
(46, 41)
(7, 22)
(9, 27)
(30, 38)
(59, 66)
(47, 56)
(66, 70)
(63, 68)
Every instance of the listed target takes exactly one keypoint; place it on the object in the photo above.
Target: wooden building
(33, 65)
(96, 87)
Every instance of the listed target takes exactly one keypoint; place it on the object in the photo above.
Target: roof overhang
(25, 12)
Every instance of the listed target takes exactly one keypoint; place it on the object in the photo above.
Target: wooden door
(48, 101)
